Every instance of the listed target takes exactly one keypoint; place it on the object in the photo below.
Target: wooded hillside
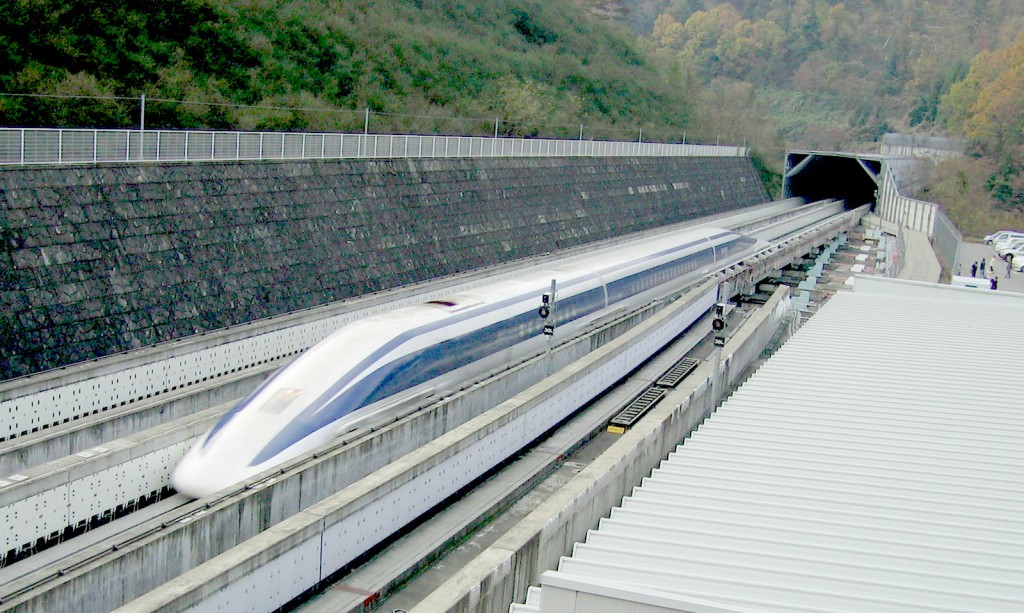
(773, 74)
(837, 75)
(542, 66)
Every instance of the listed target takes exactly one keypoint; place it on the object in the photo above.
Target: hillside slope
(542, 67)
(832, 74)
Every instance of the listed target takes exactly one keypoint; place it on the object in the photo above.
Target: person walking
(958, 267)
(981, 268)
(1009, 266)
(995, 283)
(974, 269)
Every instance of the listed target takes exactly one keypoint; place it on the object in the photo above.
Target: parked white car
(1010, 245)
(1002, 243)
(992, 238)
(1016, 258)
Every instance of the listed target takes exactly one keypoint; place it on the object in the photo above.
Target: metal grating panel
(677, 373)
(638, 407)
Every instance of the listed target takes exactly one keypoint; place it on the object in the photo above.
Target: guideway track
(58, 500)
(325, 537)
(295, 497)
(246, 508)
(30, 458)
(487, 503)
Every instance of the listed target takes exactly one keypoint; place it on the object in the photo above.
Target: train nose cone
(199, 476)
(190, 479)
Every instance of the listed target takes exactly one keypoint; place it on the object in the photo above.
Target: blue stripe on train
(431, 362)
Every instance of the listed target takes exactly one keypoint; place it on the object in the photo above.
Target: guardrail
(24, 146)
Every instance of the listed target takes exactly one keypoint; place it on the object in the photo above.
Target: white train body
(358, 373)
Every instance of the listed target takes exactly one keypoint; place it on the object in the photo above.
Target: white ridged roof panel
(874, 463)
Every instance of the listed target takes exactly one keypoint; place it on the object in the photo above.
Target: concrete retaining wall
(503, 572)
(225, 523)
(325, 537)
(96, 260)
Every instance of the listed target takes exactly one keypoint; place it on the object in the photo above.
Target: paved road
(974, 252)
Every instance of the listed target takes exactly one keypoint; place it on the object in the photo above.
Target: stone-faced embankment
(100, 259)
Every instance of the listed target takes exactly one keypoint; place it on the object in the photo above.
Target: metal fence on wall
(60, 146)
(920, 215)
(914, 214)
(946, 240)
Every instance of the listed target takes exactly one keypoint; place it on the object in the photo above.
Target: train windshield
(280, 400)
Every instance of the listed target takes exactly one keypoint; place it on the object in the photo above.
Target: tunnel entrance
(843, 176)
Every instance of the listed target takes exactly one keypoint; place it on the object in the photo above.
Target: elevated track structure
(135, 328)
(112, 477)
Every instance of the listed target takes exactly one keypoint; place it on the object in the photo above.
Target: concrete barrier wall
(222, 524)
(336, 530)
(50, 499)
(503, 572)
(52, 444)
(102, 259)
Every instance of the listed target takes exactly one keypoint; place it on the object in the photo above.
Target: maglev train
(360, 374)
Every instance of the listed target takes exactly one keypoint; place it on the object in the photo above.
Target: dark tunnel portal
(831, 176)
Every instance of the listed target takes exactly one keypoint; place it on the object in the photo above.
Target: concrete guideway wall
(85, 487)
(25, 452)
(502, 573)
(323, 538)
(209, 529)
(103, 259)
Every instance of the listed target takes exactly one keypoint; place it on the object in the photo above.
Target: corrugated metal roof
(874, 463)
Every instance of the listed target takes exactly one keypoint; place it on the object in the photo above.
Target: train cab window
(278, 402)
